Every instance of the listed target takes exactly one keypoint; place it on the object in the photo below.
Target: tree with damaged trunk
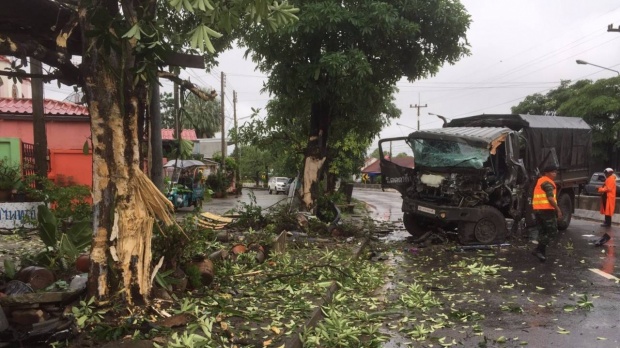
(124, 46)
(341, 61)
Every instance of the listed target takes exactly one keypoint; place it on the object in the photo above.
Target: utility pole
(38, 122)
(223, 129)
(177, 122)
(237, 149)
(610, 28)
(417, 106)
(156, 158)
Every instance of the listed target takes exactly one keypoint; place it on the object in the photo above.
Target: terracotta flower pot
(82, 263)
(205, 266)
(236, 250)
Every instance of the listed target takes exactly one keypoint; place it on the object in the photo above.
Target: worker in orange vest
(608, 196)
(608, 202)
(546, 210)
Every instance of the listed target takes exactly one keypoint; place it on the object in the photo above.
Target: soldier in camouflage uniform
(546, 210)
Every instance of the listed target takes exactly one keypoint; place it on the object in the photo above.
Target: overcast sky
(518, 48)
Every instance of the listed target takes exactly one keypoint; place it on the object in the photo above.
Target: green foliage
(86, 313)
(281, 218)
(9, 268)
(250, 214)
(180, 244)
(258, 162)
(193, 276)
(598, 103)
(202, 116)
(375, 153)
(218, 181)
(63, 242)
(68, 203)
(165, 279)
(338, 89)
(10, 174)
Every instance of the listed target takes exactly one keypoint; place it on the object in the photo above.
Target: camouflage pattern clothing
(546, 220)
(547, 224)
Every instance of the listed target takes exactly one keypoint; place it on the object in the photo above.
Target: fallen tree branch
(188, 85)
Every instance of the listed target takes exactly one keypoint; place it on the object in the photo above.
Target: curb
(317, 315)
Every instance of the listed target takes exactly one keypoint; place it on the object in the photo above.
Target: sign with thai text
(15, 215)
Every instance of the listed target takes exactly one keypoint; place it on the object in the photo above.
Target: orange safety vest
(540, 201)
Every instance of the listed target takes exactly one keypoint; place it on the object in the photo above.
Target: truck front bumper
(440, 213)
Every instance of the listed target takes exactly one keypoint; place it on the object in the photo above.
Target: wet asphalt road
(542, 293)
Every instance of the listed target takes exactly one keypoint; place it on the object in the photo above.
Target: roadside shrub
(68, 203)
(180, 244)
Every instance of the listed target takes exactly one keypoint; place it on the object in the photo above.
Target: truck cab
(476, 172)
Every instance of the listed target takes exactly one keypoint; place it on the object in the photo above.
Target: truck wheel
(413, 227)
(270, 192)
(491, 228)
(566, 205)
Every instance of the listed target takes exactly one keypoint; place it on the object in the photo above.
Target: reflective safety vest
(540, 201)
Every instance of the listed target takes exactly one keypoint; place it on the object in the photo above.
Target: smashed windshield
(443, 153)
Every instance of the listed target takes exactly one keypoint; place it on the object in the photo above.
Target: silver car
(597, 180)
(278, 184)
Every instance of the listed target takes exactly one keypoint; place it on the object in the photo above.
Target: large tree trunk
(315, 153)
(121, 249)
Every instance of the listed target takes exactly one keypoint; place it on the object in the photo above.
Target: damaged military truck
(476, 172)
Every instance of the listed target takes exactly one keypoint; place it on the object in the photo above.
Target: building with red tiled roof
(67, 124)
(67, 128)
(374, 169)
(186, 134)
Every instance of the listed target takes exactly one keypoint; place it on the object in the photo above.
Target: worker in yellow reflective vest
(546, 210)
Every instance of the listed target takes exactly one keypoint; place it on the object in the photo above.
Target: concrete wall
(593, 203)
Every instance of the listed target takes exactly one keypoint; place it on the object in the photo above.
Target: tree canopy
(334, 71)
(203, 116)
(125, 46)
(598, 103)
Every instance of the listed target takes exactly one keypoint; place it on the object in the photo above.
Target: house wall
(60, 135)
(11, 149)
(71, 167)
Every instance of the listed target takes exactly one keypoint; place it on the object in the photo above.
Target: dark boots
(540, 252)
(607, 222)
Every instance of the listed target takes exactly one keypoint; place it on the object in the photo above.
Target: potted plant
(10, 176)
(219, 183)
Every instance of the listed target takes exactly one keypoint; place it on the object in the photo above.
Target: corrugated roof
(477, 134)
(186, 134)
(517, 122)
(22, 106)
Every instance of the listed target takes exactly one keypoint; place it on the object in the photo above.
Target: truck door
(396, 163)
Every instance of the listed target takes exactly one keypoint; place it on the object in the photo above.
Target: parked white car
(278, 184)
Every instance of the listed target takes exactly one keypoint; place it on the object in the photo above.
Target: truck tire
(412, 226)
(490, 229)
(566, 205)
